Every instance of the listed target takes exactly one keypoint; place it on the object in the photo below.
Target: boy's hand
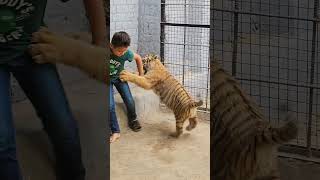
(125, 75)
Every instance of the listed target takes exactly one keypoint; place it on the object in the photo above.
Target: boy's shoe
(135, 125)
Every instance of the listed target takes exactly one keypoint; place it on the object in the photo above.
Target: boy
(119, 55)
(42, 84)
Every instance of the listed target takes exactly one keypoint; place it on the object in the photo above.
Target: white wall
(124, 17)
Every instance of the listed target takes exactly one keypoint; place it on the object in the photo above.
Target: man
(41, 83)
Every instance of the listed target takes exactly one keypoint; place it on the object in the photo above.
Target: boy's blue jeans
(42, 85)
(125, 93)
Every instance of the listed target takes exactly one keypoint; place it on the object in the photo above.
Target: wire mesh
(272, 48)
(185, 44)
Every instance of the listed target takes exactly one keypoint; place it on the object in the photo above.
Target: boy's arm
(96, 15)
(138, 60)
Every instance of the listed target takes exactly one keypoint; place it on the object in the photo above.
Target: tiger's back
(173, 94)
(244, 143)
(170, 91)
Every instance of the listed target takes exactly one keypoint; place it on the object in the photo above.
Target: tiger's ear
(145, 57)
(159, 62)
(155, 56)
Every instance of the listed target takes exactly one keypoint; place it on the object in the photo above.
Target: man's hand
(45, 48)
(49, 47)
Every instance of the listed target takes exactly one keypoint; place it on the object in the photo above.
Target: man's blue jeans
(125, 93)
(42, 85)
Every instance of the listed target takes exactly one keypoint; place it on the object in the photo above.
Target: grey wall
(124, 17)
(141, 19)
(149, 26)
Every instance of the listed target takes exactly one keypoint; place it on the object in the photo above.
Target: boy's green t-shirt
(117, 63)
(18, 20)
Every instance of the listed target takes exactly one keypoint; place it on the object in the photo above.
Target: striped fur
(244, 144)
(170, 91)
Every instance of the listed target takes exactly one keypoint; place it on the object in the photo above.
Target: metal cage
(272, 48)
(184, 48)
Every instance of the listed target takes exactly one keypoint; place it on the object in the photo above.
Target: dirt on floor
(152, 153)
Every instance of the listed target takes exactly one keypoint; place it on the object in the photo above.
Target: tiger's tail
(279, 135)
(197, 104)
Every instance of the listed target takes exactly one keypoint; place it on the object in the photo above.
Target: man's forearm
(96, 15)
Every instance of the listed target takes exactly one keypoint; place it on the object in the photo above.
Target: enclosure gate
(184, 48)
(272, 47)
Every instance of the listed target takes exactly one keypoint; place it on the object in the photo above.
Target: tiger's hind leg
(179, 128)
(192, 123)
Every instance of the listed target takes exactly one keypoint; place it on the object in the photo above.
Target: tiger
(244, 144)
(171, 91)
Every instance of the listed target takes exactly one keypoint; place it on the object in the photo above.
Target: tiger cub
(244, 144)
(170, 91)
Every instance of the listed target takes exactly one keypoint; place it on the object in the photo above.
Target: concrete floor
(151, 153)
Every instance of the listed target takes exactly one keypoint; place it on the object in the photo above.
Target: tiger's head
(149, 62)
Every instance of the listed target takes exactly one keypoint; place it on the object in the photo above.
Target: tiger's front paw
(54, 48)
(175, 134)
(125, 76)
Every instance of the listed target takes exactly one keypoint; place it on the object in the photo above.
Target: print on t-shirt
(11, 13)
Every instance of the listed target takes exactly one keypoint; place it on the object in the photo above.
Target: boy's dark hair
(121, 39)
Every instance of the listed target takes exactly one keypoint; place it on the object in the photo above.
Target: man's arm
(138, 60)
(96, 15)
